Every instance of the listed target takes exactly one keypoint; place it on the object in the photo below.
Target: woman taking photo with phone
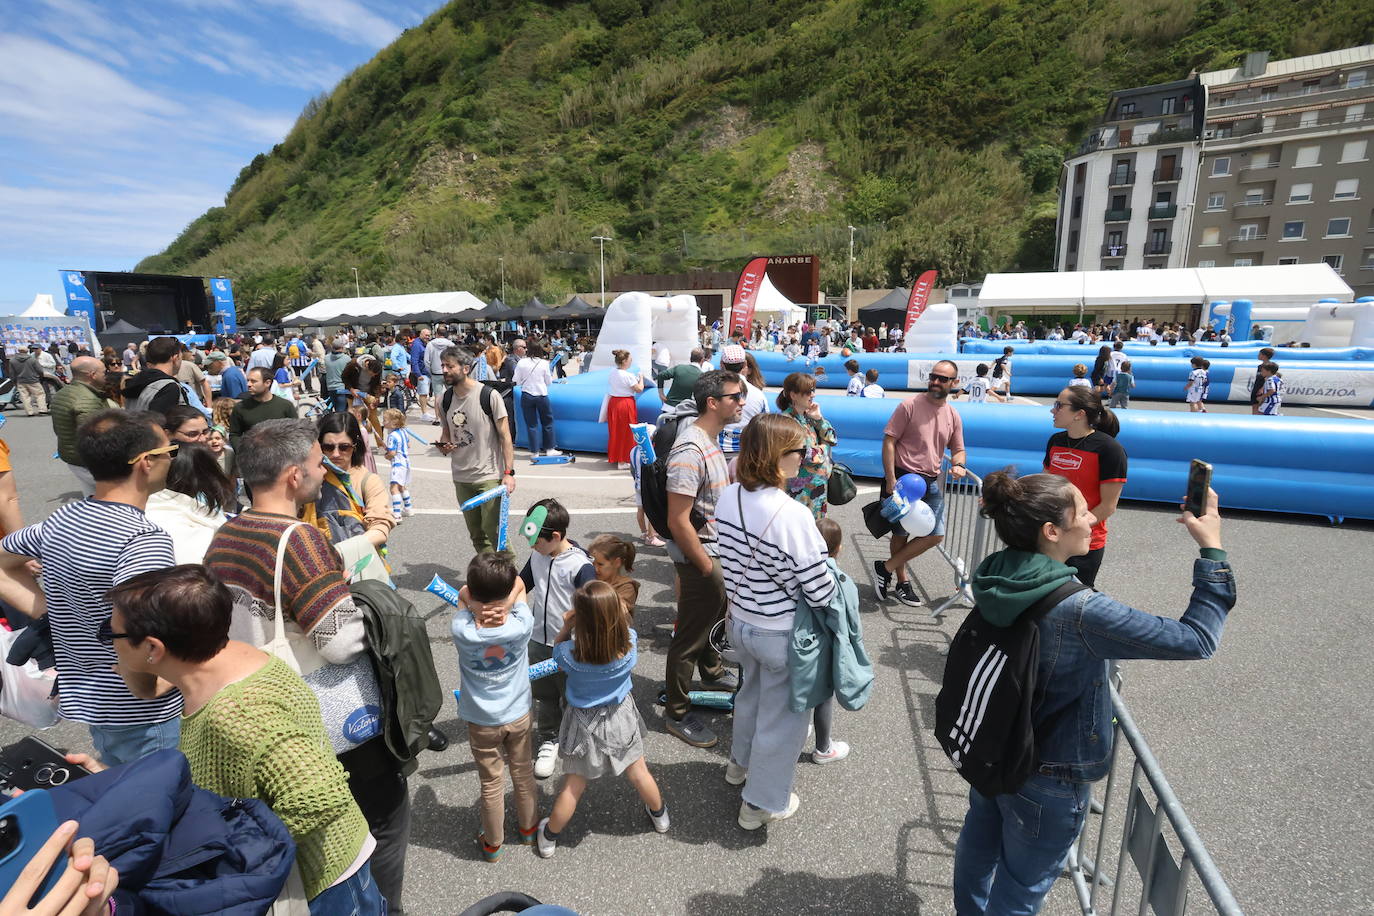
(1087, 453)
(1012, 845)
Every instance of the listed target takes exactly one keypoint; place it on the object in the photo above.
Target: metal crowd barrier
(1163, 883)
(969, 538)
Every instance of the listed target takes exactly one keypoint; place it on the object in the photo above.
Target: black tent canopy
(889, 310)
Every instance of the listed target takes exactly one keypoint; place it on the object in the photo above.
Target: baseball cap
(733, 354)
(216, 354)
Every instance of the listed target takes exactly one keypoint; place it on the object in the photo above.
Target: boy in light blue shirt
(491, 630)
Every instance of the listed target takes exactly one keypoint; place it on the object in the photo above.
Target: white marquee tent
(1288, 284)
(772, 304)
(332, 311)
(42, 307)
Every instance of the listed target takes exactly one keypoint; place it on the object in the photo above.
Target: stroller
(8, 390)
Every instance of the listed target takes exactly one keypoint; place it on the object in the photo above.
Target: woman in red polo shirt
(1087, 453)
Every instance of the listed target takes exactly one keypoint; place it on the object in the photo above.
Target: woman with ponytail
(1087, 453)
(1012, 845)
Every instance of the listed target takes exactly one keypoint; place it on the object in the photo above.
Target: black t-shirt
(1095, 460)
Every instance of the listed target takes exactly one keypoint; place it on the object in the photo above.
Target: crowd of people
(205, 596)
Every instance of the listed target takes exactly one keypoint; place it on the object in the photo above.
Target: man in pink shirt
(914, 442)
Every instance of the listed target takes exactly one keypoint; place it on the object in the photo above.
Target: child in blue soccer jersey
(1271, 395)
(398, 452)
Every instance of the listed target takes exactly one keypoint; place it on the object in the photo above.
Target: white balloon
(919, 520)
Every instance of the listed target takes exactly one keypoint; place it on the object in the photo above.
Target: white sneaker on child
(661, 820)
(408, 511)
(544, 846)
(838, 751)
(545, 760)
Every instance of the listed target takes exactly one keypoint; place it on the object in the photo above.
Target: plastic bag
(26, 691)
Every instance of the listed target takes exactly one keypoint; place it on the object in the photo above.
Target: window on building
(1267, 124)
(1221, 166)
(1121, 171)
(1308, 119)
(1260, 160)
(1224, 129)
(1114, 238)
(1311, 86)
(1354, 113)
(1211, 236)
(1293, 229)
(1300, 193)
(1289, 261)
(1168, 168)
(1254, 196)
(1187, 103)
(1347, 189)
(1126, 110)
(1307, 157)
(1169, 105)
(1118, 201)
(1216, 201)
(1248, 231)
(1078, 206)
(1243, 262)
(1337, 261)
(1073, 240)
(1080, 173)
(1356, 79)
(1354, 151)
(1164, 198)
(1338, 226)
(1206, 263)
(1159, 239)
(1221, 100)
(1367, 259)
(1268, 93)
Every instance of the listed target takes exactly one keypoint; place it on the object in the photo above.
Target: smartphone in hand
(1199, 482)
(32, 763)
(26, 823)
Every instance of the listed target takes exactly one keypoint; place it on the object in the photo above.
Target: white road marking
(629, 510)
(1344, 413)
(520, 477)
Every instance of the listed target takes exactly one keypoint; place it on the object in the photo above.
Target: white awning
(1298, 284)
(1177, 286)
(1046, 288)
(328, 310)
(1295, 284)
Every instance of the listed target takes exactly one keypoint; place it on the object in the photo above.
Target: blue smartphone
(26, 823)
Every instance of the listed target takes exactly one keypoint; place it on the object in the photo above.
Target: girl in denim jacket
(1012, 846)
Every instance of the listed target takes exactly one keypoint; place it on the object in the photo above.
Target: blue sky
(120, 122)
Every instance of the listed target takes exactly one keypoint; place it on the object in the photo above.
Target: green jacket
(249, 413)
(69, 408)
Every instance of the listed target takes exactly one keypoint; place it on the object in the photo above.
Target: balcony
(1253, 202)
(1163, 211)
(1173, 176)
(1113, 251)
(1118, 216)
(1156, 251)
(1246, 244)
(1334, 94)
(1118, 179)
(1257, 172)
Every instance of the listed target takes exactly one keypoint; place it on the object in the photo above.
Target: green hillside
(699, 133)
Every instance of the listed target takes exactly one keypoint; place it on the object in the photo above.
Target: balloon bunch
(907, 508)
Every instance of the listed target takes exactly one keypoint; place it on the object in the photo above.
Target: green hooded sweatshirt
(1010, 581)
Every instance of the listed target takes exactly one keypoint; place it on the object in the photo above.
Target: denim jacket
(1078, 639)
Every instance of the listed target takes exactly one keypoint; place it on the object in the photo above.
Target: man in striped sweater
(86, 548)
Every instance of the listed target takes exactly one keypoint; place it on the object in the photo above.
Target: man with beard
(914, 442)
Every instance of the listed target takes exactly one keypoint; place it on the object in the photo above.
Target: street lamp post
(601, 240)
(849, 296)
(503, 279)
(357, 290)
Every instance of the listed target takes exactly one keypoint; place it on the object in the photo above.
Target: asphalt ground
(1268, 745)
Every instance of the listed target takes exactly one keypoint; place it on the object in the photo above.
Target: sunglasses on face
(937, 377)
(737, 396)
(106, 634)
(799, 452)
(338, 447)
(168, 450)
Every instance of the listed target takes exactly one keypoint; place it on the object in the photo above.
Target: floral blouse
(809, 486)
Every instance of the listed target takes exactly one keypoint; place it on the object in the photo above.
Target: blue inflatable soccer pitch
(1348, 383)
(1243, 351)
(1304, 465)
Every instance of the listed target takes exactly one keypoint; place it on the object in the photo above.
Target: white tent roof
(42, 307)
(772, 302)
(327, 310)
(1287, 283)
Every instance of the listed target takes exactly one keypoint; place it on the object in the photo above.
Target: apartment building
(1286, 175)
(1125, 197)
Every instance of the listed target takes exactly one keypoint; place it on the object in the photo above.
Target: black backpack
(653, 481)
(485, 396)
(983, 711)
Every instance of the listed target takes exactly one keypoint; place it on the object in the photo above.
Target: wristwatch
(959, 464)
(510, 473)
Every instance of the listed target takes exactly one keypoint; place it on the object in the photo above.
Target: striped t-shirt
(771, 553)
(86, 548)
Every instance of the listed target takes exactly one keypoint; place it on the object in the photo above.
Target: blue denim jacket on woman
(1078, 640)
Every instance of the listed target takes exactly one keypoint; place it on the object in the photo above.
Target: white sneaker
(623, 466)
(545, 761)
(660, 822)
(408, 511)
(735, 774)
(838, 751)
(754, 818)
(552, 453)
(542, 845)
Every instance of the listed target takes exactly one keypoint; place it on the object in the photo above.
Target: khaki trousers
(492, 747)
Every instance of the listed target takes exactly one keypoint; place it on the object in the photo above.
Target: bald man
(71, 406)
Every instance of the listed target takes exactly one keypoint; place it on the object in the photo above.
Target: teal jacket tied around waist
(826, 652)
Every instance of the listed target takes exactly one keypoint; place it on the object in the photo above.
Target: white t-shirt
(855, 389)
(622, 383)
(1118, 357)
(872, 391)
(533, 376)
(977, 388)
(1080, 383)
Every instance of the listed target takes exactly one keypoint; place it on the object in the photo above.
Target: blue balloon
(912, 487)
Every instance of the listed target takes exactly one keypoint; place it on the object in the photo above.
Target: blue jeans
(768, 735)
(1012, 847)
(358, 896)
(116, 744)
(538, 416)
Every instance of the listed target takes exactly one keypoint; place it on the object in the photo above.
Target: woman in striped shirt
(768, 564)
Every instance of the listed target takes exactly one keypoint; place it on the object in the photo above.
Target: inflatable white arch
(639, 322)
(936, 331)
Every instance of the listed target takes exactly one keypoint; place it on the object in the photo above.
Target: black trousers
(381, 791)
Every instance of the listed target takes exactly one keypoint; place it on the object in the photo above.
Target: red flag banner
(746, 295)
(920, 295)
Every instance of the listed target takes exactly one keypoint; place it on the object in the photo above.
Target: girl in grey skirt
(601, 731)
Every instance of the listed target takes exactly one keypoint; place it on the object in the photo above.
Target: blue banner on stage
(223, 289)
(77, 297)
